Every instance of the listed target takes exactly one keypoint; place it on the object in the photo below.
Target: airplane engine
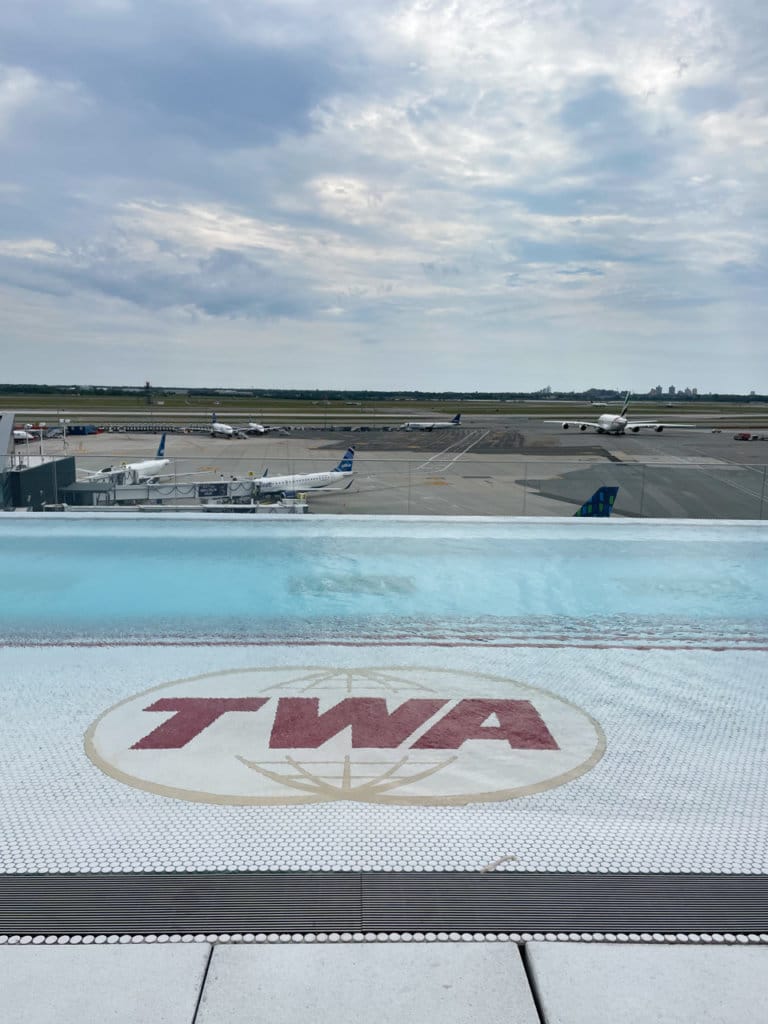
(634, 429)
(565, 426)
(583, 426)
(658, 429)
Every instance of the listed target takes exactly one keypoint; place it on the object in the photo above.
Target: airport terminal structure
(438, 732)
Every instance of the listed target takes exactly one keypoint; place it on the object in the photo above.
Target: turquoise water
(243, 577)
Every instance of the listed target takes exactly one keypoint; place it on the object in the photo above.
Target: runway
(514, 466)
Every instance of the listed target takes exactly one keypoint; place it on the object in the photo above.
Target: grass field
(123, 408)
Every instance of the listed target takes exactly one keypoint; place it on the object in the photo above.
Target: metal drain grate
(230, 902)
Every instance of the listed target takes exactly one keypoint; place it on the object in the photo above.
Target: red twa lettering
(520, 724)
(193, 714)
(298, 724)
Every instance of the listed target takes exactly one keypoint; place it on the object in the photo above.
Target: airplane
(258, 428)
(438, 425)
(610, 423)
(223, 429)
(146, 471)
(600, 505)
(307, 481)
(24, 436)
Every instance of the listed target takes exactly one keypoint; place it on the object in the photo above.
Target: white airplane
(610, 423)
(438, 425)
(24, 436)
(308, 481)
(136, 472)
(257, 428)
(223, 429)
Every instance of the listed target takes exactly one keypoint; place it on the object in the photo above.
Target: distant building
(671, 390)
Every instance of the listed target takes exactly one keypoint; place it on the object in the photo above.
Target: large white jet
(437, 425)
(308, 481)
(223, 429)
(611, 423)
(146, 471)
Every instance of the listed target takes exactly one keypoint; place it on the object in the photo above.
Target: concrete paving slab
(603, 984)
(119, 984)
(386, 983)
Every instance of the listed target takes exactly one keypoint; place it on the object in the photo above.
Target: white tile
(680, 788)
(121, 984)
(606, 984)
(387, 983)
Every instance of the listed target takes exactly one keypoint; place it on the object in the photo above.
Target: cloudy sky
(447, 194)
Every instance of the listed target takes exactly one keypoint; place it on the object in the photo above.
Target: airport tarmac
(491, 466)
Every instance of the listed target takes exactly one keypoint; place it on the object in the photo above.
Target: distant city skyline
(155, 393)
(408, 195)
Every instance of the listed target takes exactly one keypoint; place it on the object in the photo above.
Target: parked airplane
(610, 423)
(308, 481)
(600, 505)
(24, 436)
(136, 472)
(438, 425)
(258, 428)
(223, 429)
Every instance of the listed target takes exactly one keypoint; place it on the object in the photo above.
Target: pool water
(121, 578)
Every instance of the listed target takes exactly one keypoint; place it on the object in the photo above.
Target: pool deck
(601, 855)
(562, 904)
(352, 977)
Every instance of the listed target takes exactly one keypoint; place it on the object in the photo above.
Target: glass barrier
(112, 471)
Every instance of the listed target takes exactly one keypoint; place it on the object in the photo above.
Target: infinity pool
(641, 646)
(117, 579)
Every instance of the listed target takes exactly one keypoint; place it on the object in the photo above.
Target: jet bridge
(177, 493)
(28, 478)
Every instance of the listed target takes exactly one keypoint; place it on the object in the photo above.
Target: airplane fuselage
(428, 426)
(611, 424)
(147, 469)
(301, 482)
(136, 472)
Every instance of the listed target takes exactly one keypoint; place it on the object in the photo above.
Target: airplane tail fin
(626, 405)
(213, 417)
(457, 419)
(600, 504)
(345, 466)
(161, 448)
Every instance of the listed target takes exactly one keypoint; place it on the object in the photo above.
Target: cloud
(423, 169)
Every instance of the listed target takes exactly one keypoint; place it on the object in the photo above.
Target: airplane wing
(101, 474)
(582, 424)
(632, 425)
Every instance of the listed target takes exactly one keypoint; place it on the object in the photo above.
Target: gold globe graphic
(349, 778)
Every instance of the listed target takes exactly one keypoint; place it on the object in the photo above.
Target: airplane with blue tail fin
(436, 425)
(294, 482)
(135, 472)
(219, 429)
(600, 505)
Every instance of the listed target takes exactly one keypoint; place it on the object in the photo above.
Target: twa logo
(306, 735)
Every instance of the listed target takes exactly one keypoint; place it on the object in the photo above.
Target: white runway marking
(436, 461)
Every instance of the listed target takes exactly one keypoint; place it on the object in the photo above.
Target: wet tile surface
(679, 787)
